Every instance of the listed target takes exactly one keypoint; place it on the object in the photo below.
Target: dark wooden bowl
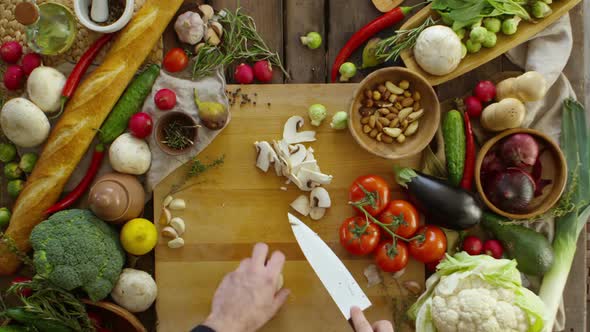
(554, 168)
(428, 123)
(119, 318)
(185, 120)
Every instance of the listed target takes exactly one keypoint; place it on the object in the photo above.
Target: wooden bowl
(183, 119)
(120, 319)
(429, 122)
(554, 169)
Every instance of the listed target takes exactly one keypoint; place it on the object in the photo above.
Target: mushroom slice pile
(297, 163)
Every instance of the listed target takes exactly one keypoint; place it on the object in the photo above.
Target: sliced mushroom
(317, 213)
(266, 155)
(319, 197)
(308, 179)
(291, 134)
(207, 12)
(212, 38)
(217, 27)
(297, 155)
(301, 205)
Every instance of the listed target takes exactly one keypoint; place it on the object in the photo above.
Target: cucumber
(15, 328)
(129, 104)
(22, 316)
(531, 250)
(454, 137)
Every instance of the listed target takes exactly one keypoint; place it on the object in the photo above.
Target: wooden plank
(303, 16)
(236, 205)
(525, 31)
(268, 16)
(344, 19)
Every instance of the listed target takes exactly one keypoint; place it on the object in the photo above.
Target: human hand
(248, 298)
(361, 324)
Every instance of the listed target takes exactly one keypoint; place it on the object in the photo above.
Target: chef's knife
(339, 283)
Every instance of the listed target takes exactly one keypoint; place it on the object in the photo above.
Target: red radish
(165, 99)
(95, 319)
(485, 91)
(472, 245)
(520, 150)
(11, 52)
(493, 248)
(25, 292)
(140, 125)
(244, 74)
(473, 106)
(30, 62)
(14, 77)
(263, 71)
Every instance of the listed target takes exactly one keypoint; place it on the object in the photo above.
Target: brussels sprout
(317, 113)
(492, 24)
(541, 9)
(7, 152)
(339, 120)
(15, 187)
(28, 161)
(478, 34)
(347, 70)
(490, 40)
(472, 47)
(4, 218)
(312, 40)
(510, 25)
(12, 171)
(461, 33)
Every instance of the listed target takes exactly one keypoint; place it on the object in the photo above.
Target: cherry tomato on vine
(372, 191)
(402, 218)
(359, 237)
(392, 258)
(431, 246)
(175, 60)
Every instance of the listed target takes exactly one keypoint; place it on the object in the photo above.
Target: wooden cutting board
(232, 207)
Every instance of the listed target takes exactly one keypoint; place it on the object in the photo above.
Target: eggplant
(442, 204)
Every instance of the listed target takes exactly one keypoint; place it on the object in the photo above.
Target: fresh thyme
(197, 168)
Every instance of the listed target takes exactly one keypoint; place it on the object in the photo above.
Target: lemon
(139, 236)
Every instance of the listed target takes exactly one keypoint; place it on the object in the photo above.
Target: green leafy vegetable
(575, 144)
(465, 13)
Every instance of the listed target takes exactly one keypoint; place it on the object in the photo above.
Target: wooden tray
(526, 30)
(232, 207)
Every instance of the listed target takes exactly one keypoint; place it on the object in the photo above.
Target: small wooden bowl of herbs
(176, 133)
(520, 173)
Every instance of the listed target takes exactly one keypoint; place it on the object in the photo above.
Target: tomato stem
(384, 226)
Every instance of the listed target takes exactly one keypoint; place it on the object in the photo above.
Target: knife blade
(335, 277)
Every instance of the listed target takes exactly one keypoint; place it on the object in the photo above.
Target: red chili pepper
(469, 169)
(81, 68)
(382, 22)
(75, 194)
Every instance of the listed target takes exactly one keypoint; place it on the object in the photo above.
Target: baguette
(72, 135)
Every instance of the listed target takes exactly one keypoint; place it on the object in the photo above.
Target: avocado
(531, 250)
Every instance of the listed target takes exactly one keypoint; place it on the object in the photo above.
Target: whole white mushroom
(24, 123)
(130, 155)
(135, 290)
(438, 50)
(44, 87)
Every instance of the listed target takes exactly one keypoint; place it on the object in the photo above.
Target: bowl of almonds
(394, 113)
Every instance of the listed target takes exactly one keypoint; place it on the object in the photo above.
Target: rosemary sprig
(390, 48)
(176, 136)
(241, 41)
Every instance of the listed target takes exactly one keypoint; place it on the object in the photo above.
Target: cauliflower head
(477, 293)
(75, 249)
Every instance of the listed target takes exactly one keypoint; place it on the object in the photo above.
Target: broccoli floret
(75, 249)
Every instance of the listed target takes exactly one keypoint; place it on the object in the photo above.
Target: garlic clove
(207, 12)
(166, 216)
(177, 204)
(167, 200)
(178, 225)
(217, 27)
(169, 232)
(176, 243)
